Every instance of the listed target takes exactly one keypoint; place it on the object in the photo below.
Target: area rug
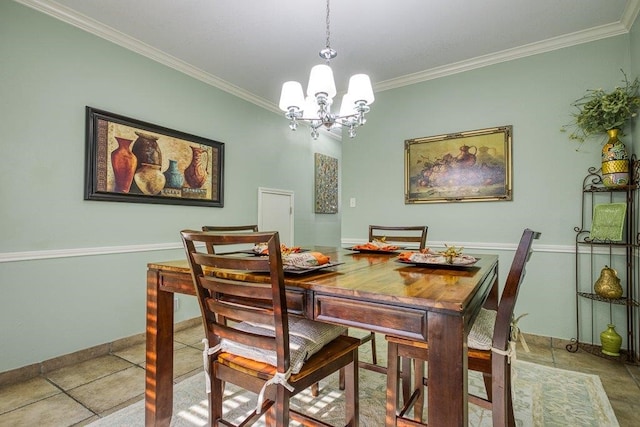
(543, 396)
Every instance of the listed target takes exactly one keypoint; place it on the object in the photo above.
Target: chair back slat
(241, 309)
(232, 262)
(226, 229)
(247, 338)
(222, 293)
(506, 306)
(231, 287)
(399, 234)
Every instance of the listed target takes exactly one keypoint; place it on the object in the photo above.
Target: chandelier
(315, 109)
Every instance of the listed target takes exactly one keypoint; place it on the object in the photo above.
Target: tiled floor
(79, 394)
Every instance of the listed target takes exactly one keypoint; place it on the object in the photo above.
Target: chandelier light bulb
(360, 88)
(310, 107)
(347, 106)
(321, 81)
(291, 96)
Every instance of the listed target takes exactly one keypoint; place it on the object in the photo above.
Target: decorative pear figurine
(608, 284)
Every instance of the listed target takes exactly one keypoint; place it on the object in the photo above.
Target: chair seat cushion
(306, 338)
(481, 334)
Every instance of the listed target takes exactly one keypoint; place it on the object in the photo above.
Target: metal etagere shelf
(592, 255)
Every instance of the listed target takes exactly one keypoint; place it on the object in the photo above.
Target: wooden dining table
(371, 291)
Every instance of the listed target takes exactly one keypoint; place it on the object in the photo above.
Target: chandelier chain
(328, 29)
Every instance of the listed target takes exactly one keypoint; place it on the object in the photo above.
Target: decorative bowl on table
(375, 246)
(426, 257)
(261, 249)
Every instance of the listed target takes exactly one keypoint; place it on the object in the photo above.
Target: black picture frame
(129, 160)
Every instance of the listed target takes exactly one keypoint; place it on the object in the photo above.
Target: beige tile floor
(79, 394)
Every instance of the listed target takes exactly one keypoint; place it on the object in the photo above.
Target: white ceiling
(249, 48)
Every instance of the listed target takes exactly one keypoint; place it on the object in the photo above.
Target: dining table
(374, 291)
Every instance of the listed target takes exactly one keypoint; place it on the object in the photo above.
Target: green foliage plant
(600, 111)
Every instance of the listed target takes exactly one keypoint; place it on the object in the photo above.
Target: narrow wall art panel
(326, 184)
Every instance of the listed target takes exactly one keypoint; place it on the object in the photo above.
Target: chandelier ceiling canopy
(315, 108)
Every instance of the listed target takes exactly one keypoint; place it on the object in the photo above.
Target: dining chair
(228, 228)
(315, 388)
(491, 343)
(269, 352)
(400, 234)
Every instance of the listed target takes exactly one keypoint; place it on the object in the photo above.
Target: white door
(275, 213)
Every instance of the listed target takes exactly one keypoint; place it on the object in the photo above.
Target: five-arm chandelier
(315, 109)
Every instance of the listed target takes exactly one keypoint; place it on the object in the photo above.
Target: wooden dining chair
(228, 228)
(400, 234)
(269, 352)
(490, 345)
(315, 388)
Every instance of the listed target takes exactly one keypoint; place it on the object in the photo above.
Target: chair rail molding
(348, 242)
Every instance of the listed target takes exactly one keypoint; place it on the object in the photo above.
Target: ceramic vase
(124, 164)
(149, 179)
(611, 341)
(146, 149)
(196, 173)
(615, 162)
(174, 177)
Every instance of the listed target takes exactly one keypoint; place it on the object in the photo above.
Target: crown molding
(92, 26)
(548, 45)
(630, 13)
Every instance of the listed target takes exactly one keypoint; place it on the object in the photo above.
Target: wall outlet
(176, 304)
(352, 202)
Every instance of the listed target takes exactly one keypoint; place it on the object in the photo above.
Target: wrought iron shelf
(624, 357)
(599, 189)
(619, 301)
(606, 243)
(587, 262)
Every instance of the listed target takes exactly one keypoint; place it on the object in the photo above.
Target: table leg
(393, 386)
(159, 354)
(447, 391)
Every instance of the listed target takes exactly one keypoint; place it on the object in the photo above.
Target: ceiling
(249, 48)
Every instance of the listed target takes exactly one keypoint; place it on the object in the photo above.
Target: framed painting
(129, 160)
(460, 167)
(326, 183)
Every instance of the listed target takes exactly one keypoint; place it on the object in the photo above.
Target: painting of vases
(134, 161)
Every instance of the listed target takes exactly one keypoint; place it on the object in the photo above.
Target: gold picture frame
(466, 166)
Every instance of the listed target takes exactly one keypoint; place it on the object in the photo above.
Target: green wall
(80, 276)
(533, 94)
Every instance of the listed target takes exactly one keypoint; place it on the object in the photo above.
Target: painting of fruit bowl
(459, 167)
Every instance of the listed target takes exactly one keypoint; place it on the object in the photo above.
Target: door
(275, 213)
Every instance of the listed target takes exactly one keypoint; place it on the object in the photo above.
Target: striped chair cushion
(481, 334)
(306, 338)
